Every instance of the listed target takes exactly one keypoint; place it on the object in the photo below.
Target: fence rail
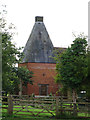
(36, 106)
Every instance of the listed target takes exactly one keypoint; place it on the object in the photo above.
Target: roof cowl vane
(38, 19)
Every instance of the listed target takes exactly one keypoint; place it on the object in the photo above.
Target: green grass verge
(27, 117)
(32, 109)
(13, 117)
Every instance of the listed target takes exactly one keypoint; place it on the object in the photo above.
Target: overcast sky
(61, 18)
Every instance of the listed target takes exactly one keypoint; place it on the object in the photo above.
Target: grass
(13, 117)
(19, 117)
(30, 117)
(25, 118)
(28, 114)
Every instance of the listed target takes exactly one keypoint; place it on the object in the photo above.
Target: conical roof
(39, 47)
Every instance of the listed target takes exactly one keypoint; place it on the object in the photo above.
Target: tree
(86, 83)
(24, 77)
(71, 66)
(10, 57)
(9, 60)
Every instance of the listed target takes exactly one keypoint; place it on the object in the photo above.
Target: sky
(61, 18)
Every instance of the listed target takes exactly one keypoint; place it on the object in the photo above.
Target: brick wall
(44, 73)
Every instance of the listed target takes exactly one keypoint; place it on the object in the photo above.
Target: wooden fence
(38, 106)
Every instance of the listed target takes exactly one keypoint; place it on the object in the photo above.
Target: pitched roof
(39, 46)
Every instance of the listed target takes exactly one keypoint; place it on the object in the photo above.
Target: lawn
(30, 117)
(6, 117)
(29, 108)
(25, 118)
(13, 117)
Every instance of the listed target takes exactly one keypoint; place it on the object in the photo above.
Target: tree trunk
(20, 92)
(74, 96)
(69, 95)
(74, 103)
(57, 106)
(10, 105)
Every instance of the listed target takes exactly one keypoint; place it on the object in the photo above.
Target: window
(43, 89)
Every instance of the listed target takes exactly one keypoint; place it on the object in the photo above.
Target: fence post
(10, 105)
(57, 105)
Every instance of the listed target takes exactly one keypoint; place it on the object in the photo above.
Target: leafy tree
(9, 60)
(72, 65)
(10, 57)
(86, 83)
(24, 77)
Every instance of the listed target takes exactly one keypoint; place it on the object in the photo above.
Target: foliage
(86, 83)
(72, 65)
(24, 74)
(10, 57)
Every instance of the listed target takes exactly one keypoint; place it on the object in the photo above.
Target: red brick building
(44, 82)
(38, 57)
